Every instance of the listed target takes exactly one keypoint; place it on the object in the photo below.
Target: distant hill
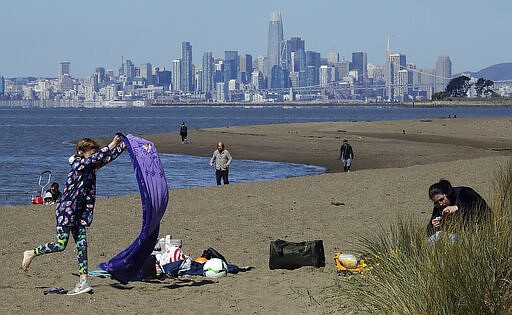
(497, 72)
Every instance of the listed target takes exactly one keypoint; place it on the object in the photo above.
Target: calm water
(34, 140)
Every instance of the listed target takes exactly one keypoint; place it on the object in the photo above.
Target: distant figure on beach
(222, 160)
(454, 206)
(183, 132)
(75, 211)
(346, 155)
(54, 190)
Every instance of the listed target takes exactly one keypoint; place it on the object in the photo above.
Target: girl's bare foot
(28, 255)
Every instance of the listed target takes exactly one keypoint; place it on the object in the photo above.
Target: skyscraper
(443, 73)
(360, 64)
(245, 66)
(230, 65)
(207, 72)
(275, 40)
(312, 68)
(397, 62)
(128, 70)
(186, 67)
(146, 71)
(387, 71)
(64, 68)
(100, 74)
(295, 45)
(176, 75)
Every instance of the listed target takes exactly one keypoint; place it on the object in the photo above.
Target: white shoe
(81, 287)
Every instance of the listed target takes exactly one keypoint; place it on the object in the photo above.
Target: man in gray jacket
(222, 160)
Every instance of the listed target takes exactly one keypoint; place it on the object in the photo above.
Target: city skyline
(152, 33)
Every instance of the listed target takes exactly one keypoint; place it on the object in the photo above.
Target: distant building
(257, 80)
(64, 68)
(275, 41)
(245, 66)
(333, 57)
(230, 65)
(163, 78)
(443, 73)
(221, 92)
(186, 67)
(312, 67)
(295, 54)
(360, 63)
(325, 75)
(100, 74)
(176, 75)
(208, 71)
(2, 85)
(128, 70)
(146, 72)
(398, 62)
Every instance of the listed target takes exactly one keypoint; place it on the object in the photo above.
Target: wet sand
(395, 163)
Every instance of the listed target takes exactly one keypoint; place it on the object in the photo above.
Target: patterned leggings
(62, 241)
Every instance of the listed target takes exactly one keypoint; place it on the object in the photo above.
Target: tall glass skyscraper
(275, 40)
(186, 67)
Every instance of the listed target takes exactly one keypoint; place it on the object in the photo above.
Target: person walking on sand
(346, 155)
(183, 132)
(75, 210)
(222, 160)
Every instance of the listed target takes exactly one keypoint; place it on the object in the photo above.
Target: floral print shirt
(77, 202)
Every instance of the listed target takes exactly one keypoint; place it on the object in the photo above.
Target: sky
(36, 35)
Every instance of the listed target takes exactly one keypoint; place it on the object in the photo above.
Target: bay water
(34, 140)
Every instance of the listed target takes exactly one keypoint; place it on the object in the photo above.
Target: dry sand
(395, 163)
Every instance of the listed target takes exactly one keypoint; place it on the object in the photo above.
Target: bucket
(37, 200)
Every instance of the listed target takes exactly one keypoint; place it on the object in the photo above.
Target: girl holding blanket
(75, 210)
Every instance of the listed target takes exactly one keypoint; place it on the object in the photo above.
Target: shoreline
(318, 143)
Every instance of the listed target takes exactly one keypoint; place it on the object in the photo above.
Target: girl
(75, 211)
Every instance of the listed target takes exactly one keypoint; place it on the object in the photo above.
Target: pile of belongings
(168, 261)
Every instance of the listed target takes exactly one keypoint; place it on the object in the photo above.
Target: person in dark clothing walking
(346, 155)
(183, 132)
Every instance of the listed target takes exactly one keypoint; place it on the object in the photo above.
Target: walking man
(222, 160)
(346, 155)
(183, 132)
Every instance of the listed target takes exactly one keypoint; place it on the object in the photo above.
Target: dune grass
(412, 276)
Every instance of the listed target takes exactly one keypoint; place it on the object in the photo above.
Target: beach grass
(410, 275)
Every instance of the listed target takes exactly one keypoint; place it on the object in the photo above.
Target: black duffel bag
(288, 255)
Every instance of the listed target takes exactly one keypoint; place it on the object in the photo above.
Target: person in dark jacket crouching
(454, 206)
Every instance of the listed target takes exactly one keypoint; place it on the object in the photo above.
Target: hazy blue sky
(36, 35)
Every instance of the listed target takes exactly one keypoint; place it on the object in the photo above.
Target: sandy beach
(395, 162)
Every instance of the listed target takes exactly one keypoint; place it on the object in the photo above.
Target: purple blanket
(154, 194)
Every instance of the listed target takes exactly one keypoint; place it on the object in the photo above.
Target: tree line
(459, 87)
